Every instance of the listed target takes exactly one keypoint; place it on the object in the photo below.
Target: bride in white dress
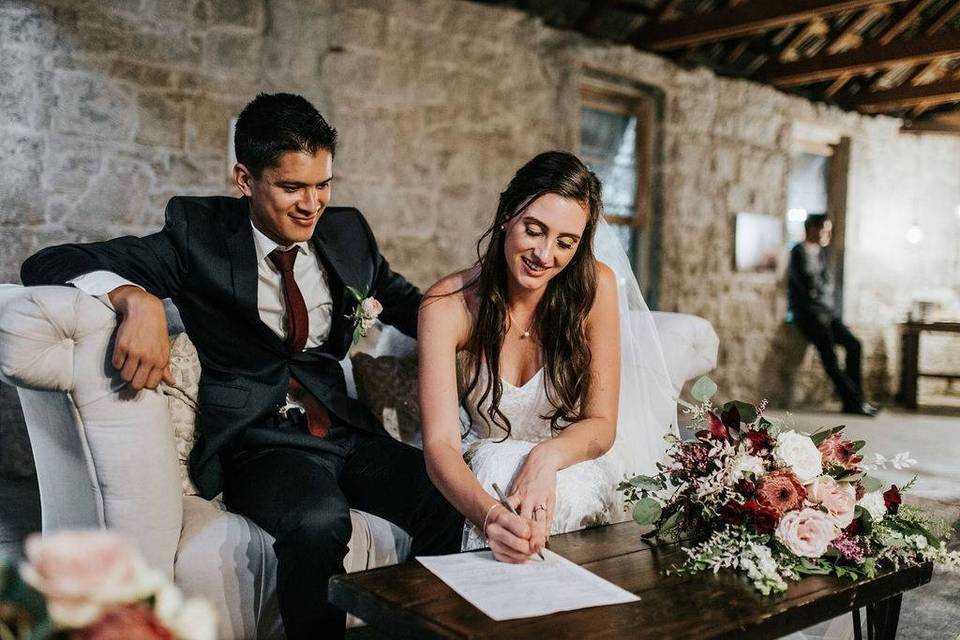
(556, 344)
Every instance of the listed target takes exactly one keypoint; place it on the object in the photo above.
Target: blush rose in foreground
(83, 573)
(807, 533)
(98, 587)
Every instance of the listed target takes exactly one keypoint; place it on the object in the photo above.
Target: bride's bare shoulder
(453, 292)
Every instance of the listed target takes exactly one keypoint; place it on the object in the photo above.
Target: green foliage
(870, 484)
(823, 434)
(748, 412)
(703, 389)
(647, 511)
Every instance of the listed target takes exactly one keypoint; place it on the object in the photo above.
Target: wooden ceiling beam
(947, 13)
(909, 96)
(850, 37)
(902, 21)
(594, 10)
(741, 20)
(870, 56)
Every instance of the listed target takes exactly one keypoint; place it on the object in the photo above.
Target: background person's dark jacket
(809, 296)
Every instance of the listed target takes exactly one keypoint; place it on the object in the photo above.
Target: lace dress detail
(586, 492)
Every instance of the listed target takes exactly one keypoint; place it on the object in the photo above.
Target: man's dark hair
(273, 124)
(815, 221)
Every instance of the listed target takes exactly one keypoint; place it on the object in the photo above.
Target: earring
(503, 227)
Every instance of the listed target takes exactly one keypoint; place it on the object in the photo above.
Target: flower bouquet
(778, 504)
(92, 585)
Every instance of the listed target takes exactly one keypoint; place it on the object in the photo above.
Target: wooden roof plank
(870, 56)
(908, 96)
(742, 20)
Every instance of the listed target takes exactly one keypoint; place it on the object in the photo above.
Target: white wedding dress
(586, 492)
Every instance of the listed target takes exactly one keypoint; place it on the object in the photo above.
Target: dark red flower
(781, 491)
(745, 488)
(860, 491)
(853, 529)
(732, 513)
(760, 442)
(763, 519)
(717, 429)
(892, 499)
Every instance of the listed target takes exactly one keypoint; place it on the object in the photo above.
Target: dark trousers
(302, 498)
(825, 334)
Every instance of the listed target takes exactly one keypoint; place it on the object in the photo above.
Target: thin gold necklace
(513, 321)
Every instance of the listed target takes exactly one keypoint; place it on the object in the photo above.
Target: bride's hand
(535, 487)
(508, 535)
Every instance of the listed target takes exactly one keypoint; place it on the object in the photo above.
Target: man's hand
(142, 350)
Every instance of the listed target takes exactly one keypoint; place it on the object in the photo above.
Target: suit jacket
(808, 296)
(204, 258)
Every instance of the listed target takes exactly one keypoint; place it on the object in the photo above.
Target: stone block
(208, 124)
(93, 106)
(165, 12)
(32, 29)
(144, 75)
(183, 173)
(26, 89)
(118, 196)
(236, 13)
(21, 165)
(69, 165)
(175, 47)
(225, 51)
(160, 120)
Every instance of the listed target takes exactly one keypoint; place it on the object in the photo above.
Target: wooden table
(910, 358)
(407, 601)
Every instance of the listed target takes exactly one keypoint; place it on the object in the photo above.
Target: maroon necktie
(298, 324)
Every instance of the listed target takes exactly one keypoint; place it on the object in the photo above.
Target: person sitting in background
(811, 303)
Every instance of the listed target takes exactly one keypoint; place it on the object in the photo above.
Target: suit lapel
(340, 275)
(243, 263)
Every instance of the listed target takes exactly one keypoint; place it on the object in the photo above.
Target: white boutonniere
(365, 313)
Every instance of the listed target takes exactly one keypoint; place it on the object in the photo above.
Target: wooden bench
(407, 601)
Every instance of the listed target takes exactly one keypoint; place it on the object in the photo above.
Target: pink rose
(836, 450)
(839, 498)
(371, 308)
(807, 533)
(85, 573)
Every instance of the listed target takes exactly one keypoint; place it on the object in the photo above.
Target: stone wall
(110, 108)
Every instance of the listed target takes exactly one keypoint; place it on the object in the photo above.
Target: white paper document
(506, 591)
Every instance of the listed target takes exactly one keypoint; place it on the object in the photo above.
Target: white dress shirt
(310, 275)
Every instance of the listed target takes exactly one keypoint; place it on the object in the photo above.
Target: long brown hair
(560, 317)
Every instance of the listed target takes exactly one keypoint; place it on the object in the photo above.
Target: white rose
(797, 451)
(874, 504)
(742, 465)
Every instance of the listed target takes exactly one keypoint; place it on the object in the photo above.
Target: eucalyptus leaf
(355, 293)
(647, 482)
(704, 389)
(871, 484)
(647, 511)
(671, 522)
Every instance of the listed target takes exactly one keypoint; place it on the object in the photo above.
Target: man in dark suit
(810, 296)
(263, 284)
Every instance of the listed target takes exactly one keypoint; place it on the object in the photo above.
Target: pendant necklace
(523, 334)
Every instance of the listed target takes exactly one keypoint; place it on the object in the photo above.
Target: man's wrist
(126, 298)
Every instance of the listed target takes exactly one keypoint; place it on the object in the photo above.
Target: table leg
(883, 617)
(857, 632)
(909, 367)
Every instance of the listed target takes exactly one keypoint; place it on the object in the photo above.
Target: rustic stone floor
(929, 613)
